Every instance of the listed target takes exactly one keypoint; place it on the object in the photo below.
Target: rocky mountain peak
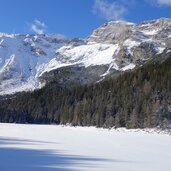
(111, 32)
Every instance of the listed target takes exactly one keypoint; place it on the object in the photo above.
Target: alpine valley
(120, 76)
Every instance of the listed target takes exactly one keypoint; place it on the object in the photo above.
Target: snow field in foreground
(59, 148)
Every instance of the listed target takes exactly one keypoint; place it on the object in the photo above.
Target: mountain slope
(27, 61)
(137, 99)
(22, 59)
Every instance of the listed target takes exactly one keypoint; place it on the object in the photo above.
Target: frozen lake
(58, 148)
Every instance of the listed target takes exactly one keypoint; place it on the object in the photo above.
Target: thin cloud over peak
(39, 23)
(160, 2)
(38, 27)
(110, 11)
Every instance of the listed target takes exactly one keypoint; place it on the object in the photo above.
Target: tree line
(135, 99)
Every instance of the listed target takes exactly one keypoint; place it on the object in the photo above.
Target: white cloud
(110, 11)
(38, 27)
(36, 30)
(39, 23)
(161, 2)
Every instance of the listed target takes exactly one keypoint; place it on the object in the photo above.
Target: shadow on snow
(18, 159)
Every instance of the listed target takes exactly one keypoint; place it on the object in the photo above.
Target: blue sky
(75, 18)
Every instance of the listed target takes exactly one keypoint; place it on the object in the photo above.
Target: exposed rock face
(27, 62)
(112, 32)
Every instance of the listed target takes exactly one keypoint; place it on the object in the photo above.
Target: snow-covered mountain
(22, 59)
(27, 61)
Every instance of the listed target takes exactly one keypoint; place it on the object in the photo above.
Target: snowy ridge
(119, 45)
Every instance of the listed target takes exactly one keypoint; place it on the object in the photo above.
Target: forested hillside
(135, 99)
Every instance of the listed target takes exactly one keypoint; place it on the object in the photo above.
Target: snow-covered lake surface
(58, 148)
